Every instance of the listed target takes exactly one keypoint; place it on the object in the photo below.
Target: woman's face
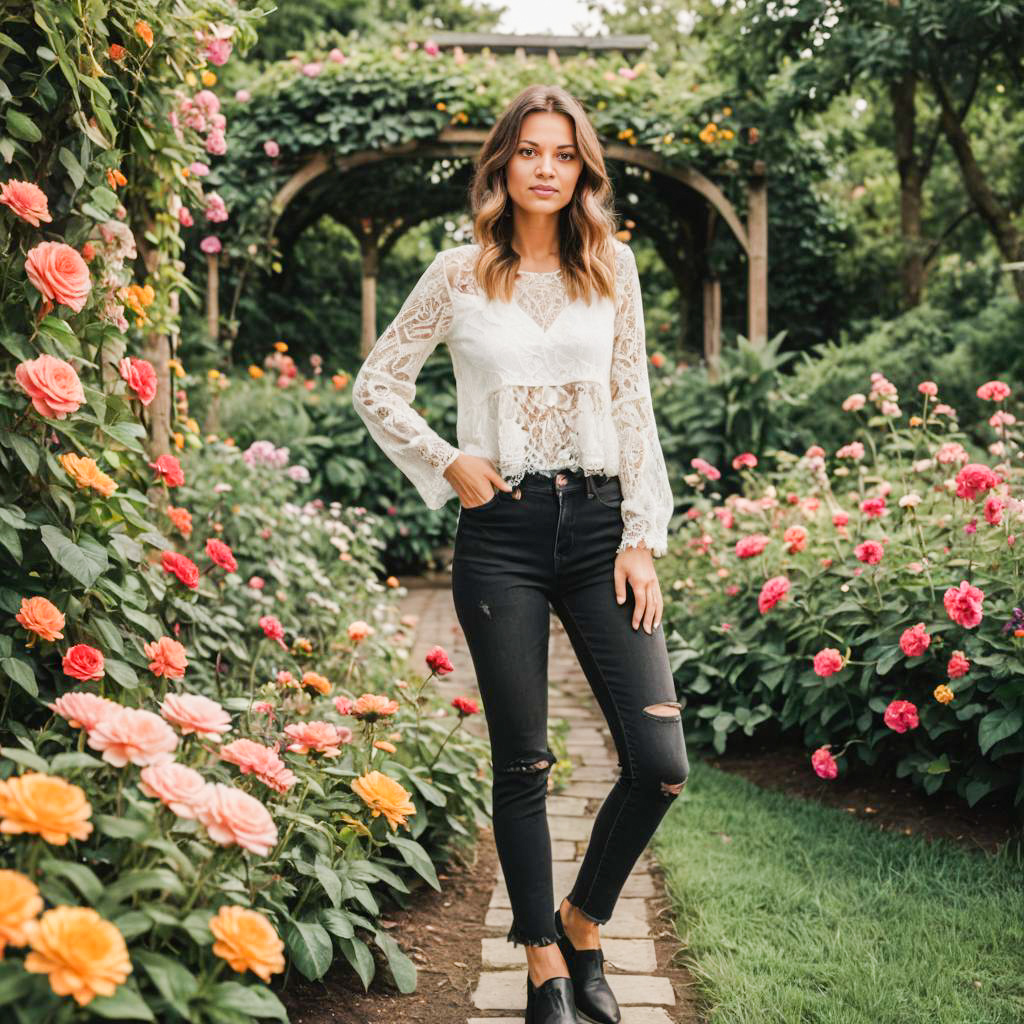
(545, 156)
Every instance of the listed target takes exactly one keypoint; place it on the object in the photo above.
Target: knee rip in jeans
(664, 711)
(532, 763)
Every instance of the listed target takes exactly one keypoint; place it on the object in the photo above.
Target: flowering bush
(870, 599)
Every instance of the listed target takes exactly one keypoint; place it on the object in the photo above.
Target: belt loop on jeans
(590, 486)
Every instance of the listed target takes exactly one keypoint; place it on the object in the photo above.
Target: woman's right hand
(472, 477)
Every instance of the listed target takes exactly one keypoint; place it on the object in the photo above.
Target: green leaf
(358, 954)
(73, 167)
(122, 673)
(197, 924)
(121, 828)
(150, 623)
(416, 857)
(81, 877)
(14, 982)
(402, 968)
(328, 879)
(172, 980)
(21, 127)
(124, 1004)
(108, 632)
(337, 922)
(133, 924)
(22, 673)
(253, 1000)
(26, 450)
(25, 758)
(72, 761)
(310, 947)
(85, 564)
(996, 726)
(138, 881)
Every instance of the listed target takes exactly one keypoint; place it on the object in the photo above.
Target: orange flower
(84, 955)
(942, 693)
(116, 52)
(46, 805)
(167, 658)
(182, 520)
(339, 380)
(371, 706)
(86, 473)
(20, 902)
(115, 178)
(42, 617)
(144, 32)
(247, 940)
(384, 745)
(316, 682)
(281, 346)
(27, 200)
(383, 795)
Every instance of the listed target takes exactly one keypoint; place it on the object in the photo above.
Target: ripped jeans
(551, 543)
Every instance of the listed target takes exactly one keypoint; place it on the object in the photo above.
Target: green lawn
(807, 915)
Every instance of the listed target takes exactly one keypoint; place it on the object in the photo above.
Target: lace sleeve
(385, 387)
(647, 504)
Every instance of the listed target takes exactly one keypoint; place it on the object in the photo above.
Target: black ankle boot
(594, 999)
(551, 1002)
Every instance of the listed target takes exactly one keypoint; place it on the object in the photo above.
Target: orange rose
(182, 520)
(26, 200)
(46, 805)
(84, 955)
(167, 658)
(116, 51)
(20, 902)
(41, 617)
(247, 940)
(316, 682)
(60, 273)
(52, 384)
(86, 473)
(383, 795)
(144, 32)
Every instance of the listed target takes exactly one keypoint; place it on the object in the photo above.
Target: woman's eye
(529, 149)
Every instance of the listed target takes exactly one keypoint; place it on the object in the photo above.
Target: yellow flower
(943, 694)
(44, 805)
(726, 111)
(190, 79)
(20, 903)
(708, 132)
(208, 78)
(248, 941)
(175, 365)
(192, 424)
(727, 133)
(281, 346)
(86, 473)
(668, 138)
(383, 795)
(213, 374)
(256, 372)
(179, 440)
(84, 955)
(276, 266)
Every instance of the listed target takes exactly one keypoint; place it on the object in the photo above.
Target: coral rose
(963, 604)
(273, 630)
(247, 940)
(194, 713)
(83, 662)
(83, 710)
(84, 955)
(994, 391)
(263, 762)
(135, 735)
(773, 591)
(26, 200)
(182, 520)
(958, 665)
(975, 478)
(86, 473)
(321, 737)
(370, 707)
(359, 630)
(438, 661)
(383, 795)
(20, 903)
(42, 617)
(168, 469)
(465, 706)
(870, 552)
(60, 273)
(182, 567)
(824, 764)
(167, 658)
(827, 662)
(220, 554)
(52, 384)
(901, 715)
(231, 816)
(176, 785)
(141, 377)
(317, 682)
(44, 805)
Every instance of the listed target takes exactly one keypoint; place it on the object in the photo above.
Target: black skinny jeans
(553, 542)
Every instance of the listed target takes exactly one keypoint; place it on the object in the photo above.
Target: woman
(564, 500)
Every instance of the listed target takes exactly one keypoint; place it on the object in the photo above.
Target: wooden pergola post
(369, 252)
(757, 259)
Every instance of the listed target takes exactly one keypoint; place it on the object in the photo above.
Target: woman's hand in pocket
(475, 479)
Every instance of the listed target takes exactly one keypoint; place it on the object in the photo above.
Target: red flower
(873, 507)
(438, 661)
(915, 640)
(823, 763)
(141, 377)
(273, 629)
(963, 604)
(974, 479)
(751, 545)
(958, 665)
(870, 552)
(83, 662)
(828, 661)
(181, 566)
(220, 554)
(465, 706)
(772, 592)
(901, 715)
(168, 468)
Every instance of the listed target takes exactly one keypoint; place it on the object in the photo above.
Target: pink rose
(994, 391)
(974, 479)
(915, 641)
(438, 661)
(824, 764)
(751, 545)
(83, 710)
(192, 712)
(220, 554)
(773, 591)
(870, 552)
(60, 273)
(873, 508)
(271, 148)
(827, 662)
(901, 715)
(167, 658)
(273, 630)
(26, 200)
(322, 737)
(210, 245)
(52, 384)
(963, 604)
(231, 816)
(263, 762)
(705, 468)
(135, 735)
(83, 662)
(181, 788)
(168, 468)
(141, 377)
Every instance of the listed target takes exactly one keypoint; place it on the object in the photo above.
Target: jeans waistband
(574, 480)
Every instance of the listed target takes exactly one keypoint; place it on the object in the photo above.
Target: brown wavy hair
(586, 223)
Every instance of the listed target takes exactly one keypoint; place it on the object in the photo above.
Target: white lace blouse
(542, 383)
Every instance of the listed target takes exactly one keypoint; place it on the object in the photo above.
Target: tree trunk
(911, 187)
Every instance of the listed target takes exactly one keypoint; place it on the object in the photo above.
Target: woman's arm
(647, 504)
(385, 387)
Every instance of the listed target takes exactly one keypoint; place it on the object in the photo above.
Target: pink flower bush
(59, 273)
(179, 787)
(705, 468)
(773, 591)
(52, 384)
(133, 735)
(901, 715)
(824, 764)
(194, 713)
(321, 737)
(915, 641)
(963, 604)
(233, 817)
(83, 710)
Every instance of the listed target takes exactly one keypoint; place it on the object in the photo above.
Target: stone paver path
(627, 939)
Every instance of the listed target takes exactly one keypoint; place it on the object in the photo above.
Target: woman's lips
(543, 191)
